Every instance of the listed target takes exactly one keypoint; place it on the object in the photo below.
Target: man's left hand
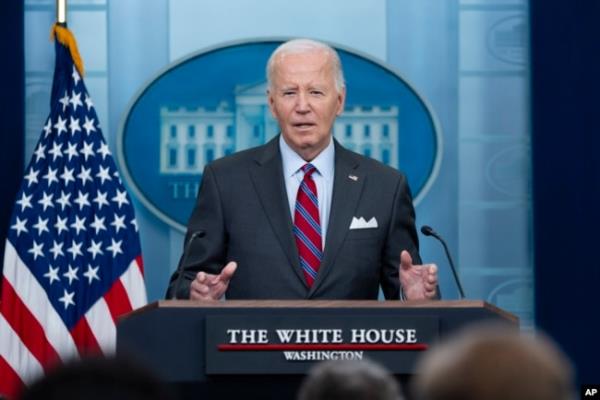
(417, 281)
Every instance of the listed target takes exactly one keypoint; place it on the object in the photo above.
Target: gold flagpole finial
(61, 12)
(61, 33)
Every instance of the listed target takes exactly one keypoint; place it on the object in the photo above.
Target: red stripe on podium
(350, 346)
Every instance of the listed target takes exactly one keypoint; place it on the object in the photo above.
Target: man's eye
(288, 93)
(316, 93)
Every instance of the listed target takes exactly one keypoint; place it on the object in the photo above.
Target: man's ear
(341, 101)
(271, 102)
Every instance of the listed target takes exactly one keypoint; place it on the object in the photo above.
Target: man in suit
(301, 217)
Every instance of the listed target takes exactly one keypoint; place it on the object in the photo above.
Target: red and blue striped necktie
(307, 226)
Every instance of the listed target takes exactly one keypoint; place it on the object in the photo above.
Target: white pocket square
(361, 223)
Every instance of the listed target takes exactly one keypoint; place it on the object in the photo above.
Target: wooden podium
(251, 348)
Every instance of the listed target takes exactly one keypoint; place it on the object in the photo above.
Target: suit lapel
(347, 188)
(267, 176)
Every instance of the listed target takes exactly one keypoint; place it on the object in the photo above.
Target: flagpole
(61, 12)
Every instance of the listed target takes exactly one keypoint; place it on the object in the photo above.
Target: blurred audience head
(97, 379)
(494, 362)
(349, 380)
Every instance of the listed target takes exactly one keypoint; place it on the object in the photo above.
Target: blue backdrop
(564, 83)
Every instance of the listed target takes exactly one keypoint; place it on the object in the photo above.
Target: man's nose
(302, 104)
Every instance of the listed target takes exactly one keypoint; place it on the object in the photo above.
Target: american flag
(72, 262)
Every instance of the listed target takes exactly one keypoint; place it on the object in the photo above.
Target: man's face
(304, 100)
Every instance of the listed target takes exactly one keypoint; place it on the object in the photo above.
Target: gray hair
(349, 380)
(297, 46)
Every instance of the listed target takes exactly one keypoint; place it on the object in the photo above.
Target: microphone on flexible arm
(428, 231)
(200, 233)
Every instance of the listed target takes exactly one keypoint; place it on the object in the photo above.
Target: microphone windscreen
(427, 230)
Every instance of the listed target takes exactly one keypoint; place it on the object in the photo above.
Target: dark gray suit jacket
(243, 208)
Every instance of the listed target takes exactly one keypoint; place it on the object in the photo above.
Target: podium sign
(242, 344)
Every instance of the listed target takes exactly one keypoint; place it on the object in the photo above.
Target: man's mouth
(303, 125)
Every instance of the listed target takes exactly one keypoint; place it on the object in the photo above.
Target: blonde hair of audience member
(349, 380)
(494, 363)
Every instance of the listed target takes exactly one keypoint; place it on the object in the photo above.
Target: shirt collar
(292, 162)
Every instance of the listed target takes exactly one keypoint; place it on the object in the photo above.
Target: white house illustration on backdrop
(191, 138)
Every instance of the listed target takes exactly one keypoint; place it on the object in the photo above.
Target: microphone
(428, 231)
(200, 233)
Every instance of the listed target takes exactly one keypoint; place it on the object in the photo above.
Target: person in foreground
(491, 362)
(301, 217)
(349, 380)
(98, 379)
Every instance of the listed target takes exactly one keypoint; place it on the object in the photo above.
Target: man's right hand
(210, 286)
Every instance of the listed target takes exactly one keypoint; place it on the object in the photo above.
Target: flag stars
(64, 200)
(51, 176)
(36, 250)
(134, 224)
(75, 100)
(85, 175)
(19, 226)
(115, 247)
(103, 174)
(98, 224)
(76, 77)
(91, 274)
(31, 177)
(39, 152)
(78, 225)
(48, 128)
(52, 274)
(60, 125)
(74, 125)
(64, 101)
(95, 249)
(41, 225)
(75, 249)
(71, 150)
(71, 274)
(61, 224)
(56, 249)
(46, 200)
(56, 151)
(120, 198)
(100, 199)
(67, 299)
(82, 200)
(25, 201)
(67, 175)
(89, 125)
(88, 102)
(87, 150)
(118, 223)
(103, 149)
